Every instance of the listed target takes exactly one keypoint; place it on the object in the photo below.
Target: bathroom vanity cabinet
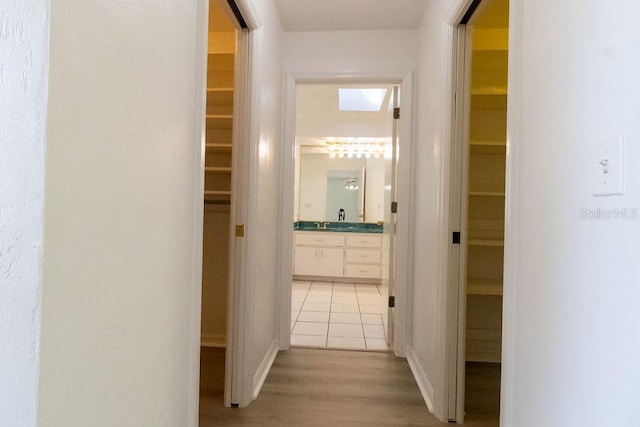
(319, 254)
(363, 256)
(339, 256)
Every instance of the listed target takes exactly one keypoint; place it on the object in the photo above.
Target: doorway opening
(478, 180)
(226, 105)
(218, 168)
(343, 238)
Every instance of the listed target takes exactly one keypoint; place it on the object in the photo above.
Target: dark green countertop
(338, 226)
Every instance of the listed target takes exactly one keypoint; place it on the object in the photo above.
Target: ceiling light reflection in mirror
(358, 147)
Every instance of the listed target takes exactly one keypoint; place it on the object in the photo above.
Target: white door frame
(238, 384)
(458, 207)
(390, 223)
(198, 217)
(405, 184)
(235, 349)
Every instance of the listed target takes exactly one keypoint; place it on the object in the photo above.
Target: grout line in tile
(301, 307)
(326, 342)
(355, 290)
(361, 322)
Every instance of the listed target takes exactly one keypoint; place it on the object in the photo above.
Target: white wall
(345, 53)
(120, 304)
(572, 285)
(374, 192)
(24, 55)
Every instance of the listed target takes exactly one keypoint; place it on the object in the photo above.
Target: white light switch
(607, 166)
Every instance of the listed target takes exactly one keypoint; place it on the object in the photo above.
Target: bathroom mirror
(345, 195)
(328, 184)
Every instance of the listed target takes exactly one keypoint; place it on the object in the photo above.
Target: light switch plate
(608, 162)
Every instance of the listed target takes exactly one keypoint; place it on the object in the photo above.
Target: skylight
(361, 99)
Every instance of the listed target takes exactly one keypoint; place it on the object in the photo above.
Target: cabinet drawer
(369, 256)
(363, 271)
(364, 241)
(319, 239)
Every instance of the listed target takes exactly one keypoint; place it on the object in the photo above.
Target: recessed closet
(486, 65)
(217, 193)
(486, 184)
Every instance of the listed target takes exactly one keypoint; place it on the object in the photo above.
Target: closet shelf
(486, 193)
(219, 116)
(498, 91)
(219, 147)
(488, 143)
(484, 287)
(486, 242)
(217, 193)
(219, 89)
(218, 169)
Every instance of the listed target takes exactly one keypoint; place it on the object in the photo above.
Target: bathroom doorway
(343, 241)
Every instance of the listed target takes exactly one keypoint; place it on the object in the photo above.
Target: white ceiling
(318, 116)
(346, 15)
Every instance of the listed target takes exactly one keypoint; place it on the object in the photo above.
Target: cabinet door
(331, 262)
(305, 261)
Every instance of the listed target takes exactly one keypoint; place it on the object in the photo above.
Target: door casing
(405, 201)
(461, 48)
(238, 385)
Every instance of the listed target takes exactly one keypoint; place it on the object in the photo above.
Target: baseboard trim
(261, 375)
(426, 389)
(213, 340)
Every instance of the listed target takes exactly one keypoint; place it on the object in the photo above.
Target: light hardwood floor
(311, 387)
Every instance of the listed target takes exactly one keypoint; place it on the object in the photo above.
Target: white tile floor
(338, 315)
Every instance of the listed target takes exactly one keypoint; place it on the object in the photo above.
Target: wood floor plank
(311, 387)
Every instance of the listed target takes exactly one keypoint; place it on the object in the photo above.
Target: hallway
(308, 387)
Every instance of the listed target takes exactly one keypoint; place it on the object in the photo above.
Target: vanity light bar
(357, 149)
